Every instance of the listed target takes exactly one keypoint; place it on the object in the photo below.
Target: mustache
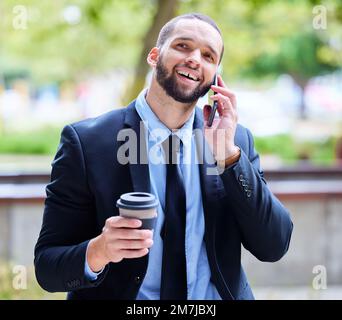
(185, 65)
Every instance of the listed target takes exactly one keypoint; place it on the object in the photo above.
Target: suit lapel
(138, 169)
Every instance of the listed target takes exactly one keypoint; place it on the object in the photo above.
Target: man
(87, 249)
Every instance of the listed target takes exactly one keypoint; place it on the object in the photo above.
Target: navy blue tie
(173, 279)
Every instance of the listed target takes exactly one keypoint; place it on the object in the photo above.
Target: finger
(133, 244)
(224, 106)
(221, 83)
(206, 112)
(133, 234)
(222, 88)
(226, 93)
(130, 254)
(121, 222)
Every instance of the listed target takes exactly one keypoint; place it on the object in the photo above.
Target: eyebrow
(191, 39)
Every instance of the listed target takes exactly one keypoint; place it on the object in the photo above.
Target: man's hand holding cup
(127, 236)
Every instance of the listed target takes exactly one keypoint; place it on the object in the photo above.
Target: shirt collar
(158, 132)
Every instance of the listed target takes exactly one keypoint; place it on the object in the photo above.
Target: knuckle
(117, 259)
(109, 220)
(128, 233)
(112, 221)
(141, 252)
(147, 233)
(118, 245)
(105, 233)
(149, 242)
(141, 235)
(112, 249)
(130, 244)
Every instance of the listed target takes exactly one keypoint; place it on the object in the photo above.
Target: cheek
(176, 57)
(210, 73)
(207, 78)
(168, 61)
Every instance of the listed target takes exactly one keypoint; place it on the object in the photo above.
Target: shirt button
(241, 177)
(137, 279)
(248, 193)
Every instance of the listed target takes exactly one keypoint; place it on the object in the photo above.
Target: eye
(209, 56)
(182, 45)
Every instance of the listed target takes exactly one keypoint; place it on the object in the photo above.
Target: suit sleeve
(69, 221)
(264, 223)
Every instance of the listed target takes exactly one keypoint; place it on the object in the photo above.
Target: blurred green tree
(305, 50)
(262, 38)
(269, 38)
(166, 9)
(56, 46)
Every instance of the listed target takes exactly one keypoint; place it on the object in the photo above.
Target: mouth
(187, 75)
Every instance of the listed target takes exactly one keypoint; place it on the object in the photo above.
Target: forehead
(199, 31)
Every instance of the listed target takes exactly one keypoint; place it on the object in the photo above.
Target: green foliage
(260, 36)
(291, 150)
(297, 56)
(281, 145)
(42, 141)
(274, 37)
(46, 140)
(53, 50)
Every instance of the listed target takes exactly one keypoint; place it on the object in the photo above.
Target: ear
(153, 56)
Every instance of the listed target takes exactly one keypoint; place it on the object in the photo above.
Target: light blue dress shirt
(198, 270)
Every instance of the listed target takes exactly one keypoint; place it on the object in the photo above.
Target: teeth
(188, 75)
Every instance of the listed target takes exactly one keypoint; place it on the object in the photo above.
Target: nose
(194, 58)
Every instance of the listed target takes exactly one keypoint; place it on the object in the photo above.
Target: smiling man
(85, 247)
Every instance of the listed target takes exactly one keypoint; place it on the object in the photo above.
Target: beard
(173, 89)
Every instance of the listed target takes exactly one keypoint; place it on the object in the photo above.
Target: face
(188, 60)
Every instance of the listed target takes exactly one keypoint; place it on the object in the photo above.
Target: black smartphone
(214, 107)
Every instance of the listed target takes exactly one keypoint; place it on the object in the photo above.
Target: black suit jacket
(86, 181)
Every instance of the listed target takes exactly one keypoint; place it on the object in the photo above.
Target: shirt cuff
(90, 275)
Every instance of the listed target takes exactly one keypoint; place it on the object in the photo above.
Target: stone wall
(19, 229)
(316, 238)
(316, 241)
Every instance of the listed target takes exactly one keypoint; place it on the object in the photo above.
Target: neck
(169, 111)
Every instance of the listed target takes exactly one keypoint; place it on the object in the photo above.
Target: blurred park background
(62, 61)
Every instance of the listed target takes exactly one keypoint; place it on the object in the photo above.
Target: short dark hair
(168, 28)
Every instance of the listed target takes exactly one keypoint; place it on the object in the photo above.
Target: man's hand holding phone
(220, 135)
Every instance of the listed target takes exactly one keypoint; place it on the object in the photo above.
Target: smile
(188, 75)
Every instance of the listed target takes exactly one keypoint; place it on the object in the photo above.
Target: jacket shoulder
(113, 118)
(94, 132)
